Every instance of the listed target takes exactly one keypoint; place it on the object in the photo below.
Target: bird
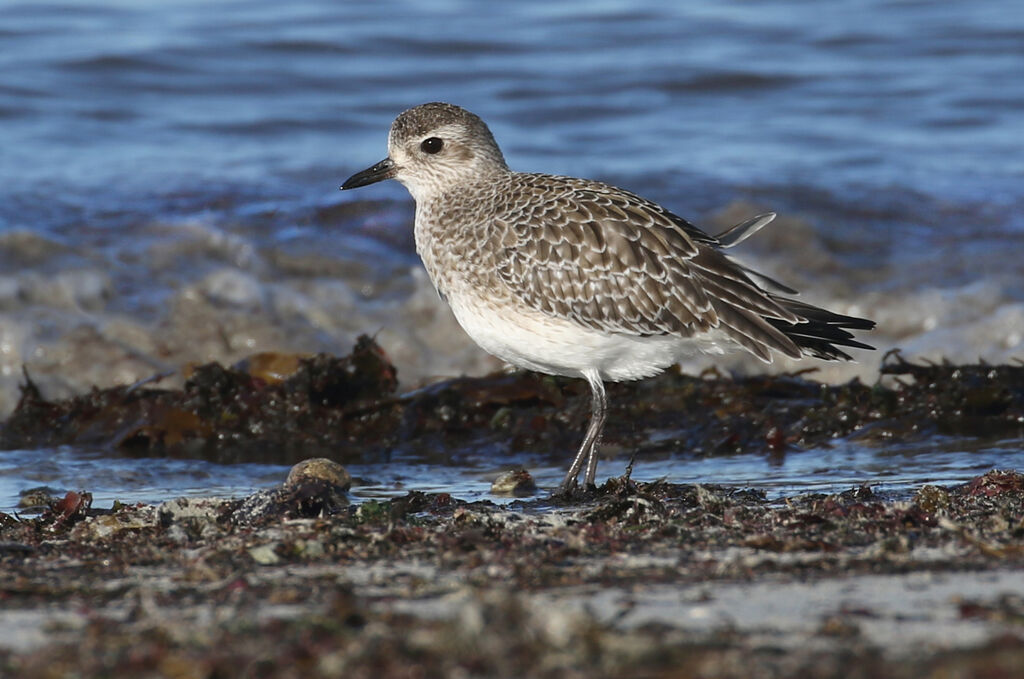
(579, 278)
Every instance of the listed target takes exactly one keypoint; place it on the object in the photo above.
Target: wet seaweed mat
(642, 580)
(630, 579)
(284, 408)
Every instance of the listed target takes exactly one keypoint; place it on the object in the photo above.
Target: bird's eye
(432, 145)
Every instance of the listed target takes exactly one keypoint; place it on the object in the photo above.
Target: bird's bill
(385, 169)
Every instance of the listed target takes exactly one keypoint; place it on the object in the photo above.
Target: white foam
(202, 294)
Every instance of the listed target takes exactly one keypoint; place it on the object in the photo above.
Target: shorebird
(575, 277)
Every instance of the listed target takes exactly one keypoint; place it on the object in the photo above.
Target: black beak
(385, 169)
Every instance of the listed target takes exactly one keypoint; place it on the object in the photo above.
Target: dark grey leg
(599, 407)
(588, 450)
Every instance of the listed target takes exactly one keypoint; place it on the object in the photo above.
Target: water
(169, 170)
(896, 471)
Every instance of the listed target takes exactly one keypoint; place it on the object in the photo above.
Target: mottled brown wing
(610, 260)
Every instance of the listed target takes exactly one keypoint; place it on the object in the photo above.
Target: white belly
(536, 341)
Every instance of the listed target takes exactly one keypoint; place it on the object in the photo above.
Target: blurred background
(169, 169)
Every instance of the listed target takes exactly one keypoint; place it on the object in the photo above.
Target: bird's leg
(599, 409)
(588, 450)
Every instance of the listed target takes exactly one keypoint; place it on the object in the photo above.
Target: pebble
(515, 482)
(319, 468)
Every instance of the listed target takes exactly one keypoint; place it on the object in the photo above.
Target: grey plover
(574, 277)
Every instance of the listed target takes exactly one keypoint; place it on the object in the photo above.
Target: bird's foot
(574, 492)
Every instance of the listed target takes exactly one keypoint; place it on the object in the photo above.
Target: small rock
(38, 498)
(311, 549)
(270, 366)
(515, 482)
(932, 499)
(319, 468)
(105, 525)
(710, 500)
(265, 555)
(204, 509)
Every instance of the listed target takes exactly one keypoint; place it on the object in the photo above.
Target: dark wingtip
(823, 331)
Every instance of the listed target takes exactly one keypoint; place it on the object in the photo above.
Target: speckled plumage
(576, 277)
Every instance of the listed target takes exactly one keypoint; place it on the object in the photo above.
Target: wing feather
(613, 261)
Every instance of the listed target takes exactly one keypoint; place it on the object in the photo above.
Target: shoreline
(634, 579)
(629, 579)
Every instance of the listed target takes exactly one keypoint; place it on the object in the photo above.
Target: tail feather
(819, 332)
(823, 331)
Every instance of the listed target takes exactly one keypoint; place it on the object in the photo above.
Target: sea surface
(169, 175)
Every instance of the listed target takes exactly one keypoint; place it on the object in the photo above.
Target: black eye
(432, 145)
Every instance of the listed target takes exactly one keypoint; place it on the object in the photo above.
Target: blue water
(127, 98)
(169, 170)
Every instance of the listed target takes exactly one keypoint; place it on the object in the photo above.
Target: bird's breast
(456, 249)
